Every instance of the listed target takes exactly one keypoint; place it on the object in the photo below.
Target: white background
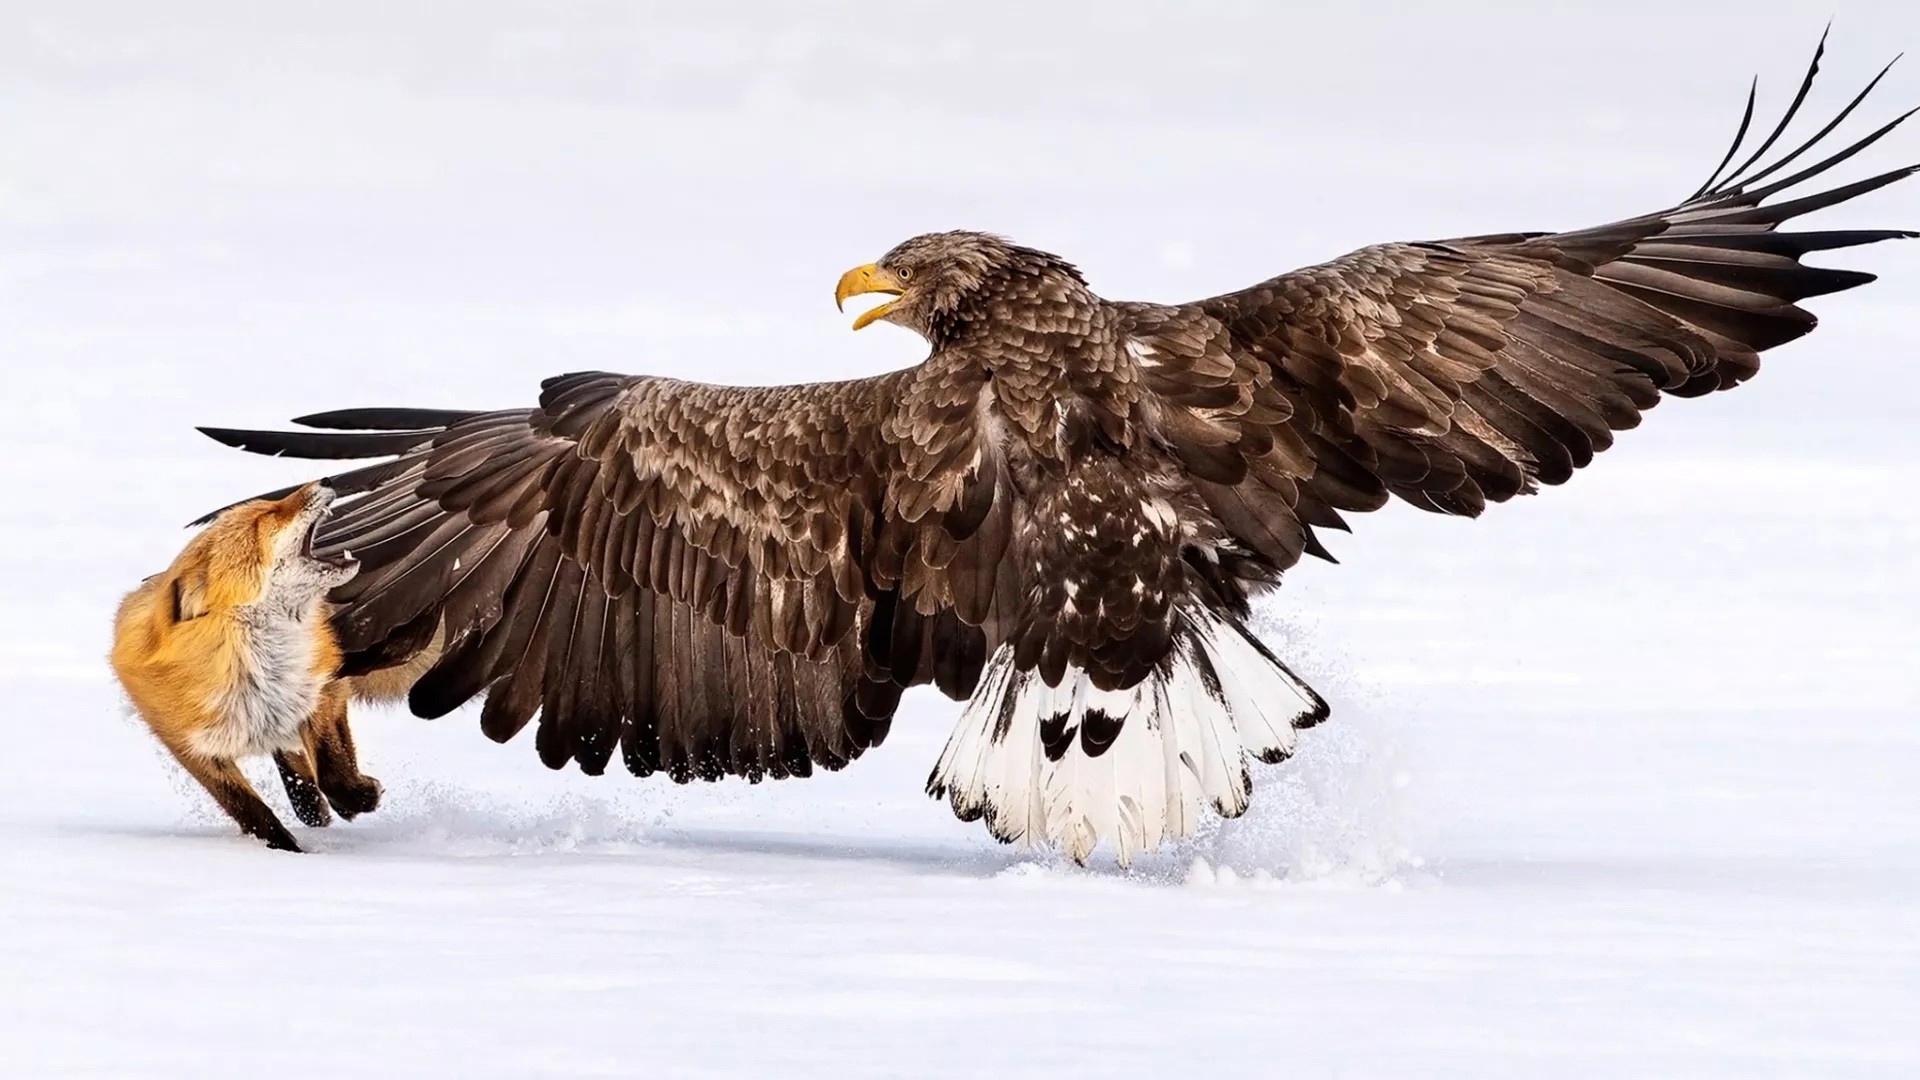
(1621, 780)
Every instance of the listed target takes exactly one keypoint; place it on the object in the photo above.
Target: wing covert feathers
(1456, 374)
(678, 573)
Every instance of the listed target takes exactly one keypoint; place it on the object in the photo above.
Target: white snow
(1619, 782)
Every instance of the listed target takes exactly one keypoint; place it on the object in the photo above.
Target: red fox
(229, 653)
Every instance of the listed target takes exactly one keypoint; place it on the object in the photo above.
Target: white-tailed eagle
(1061, 514)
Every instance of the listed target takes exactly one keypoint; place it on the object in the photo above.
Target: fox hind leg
(303, 791)
(336, 764)
(229, 787)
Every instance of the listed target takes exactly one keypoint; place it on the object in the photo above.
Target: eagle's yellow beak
(862, 280)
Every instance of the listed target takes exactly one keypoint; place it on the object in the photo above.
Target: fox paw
(351, 798)
(276, 837)
(309, 808)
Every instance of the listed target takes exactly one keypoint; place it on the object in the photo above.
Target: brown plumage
(1062, 512)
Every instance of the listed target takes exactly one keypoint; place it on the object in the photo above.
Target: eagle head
(943, 282)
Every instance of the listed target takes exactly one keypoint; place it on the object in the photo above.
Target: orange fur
(229, 653)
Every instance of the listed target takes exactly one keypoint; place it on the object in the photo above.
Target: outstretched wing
(1463, 372)
(714, 580)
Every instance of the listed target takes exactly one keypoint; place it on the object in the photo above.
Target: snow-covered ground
(1621, 781)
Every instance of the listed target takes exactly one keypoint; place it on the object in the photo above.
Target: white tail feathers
(1069, 765)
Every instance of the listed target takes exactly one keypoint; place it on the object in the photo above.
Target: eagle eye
(904, 273)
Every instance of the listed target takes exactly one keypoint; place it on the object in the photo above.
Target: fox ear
(189, 597)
